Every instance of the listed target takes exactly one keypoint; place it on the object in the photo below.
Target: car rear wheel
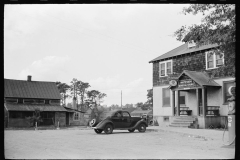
(131, 130)
(108, 129)
(142, 128)
(98, 131)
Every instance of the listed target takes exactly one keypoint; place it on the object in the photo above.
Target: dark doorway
(67, 118)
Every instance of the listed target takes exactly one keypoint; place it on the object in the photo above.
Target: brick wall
(191, 62)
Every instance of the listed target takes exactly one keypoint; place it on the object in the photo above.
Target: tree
(94, 94)
(63, 88)
(150, 97)
(217, 27)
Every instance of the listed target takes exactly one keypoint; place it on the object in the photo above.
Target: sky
(107, 45)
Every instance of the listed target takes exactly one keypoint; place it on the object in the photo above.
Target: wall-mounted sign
(231, 90)
(186, 83)
(172, 82)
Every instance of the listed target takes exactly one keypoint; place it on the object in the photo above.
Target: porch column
(204, 105)
(204, 98)
(197, 95)
(178, 103)
(173, 103)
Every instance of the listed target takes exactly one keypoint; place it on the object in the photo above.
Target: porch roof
(72, 110)
(201, 78)
(32, 107)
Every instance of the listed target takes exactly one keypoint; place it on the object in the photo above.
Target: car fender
(138, 123)
(101, 125)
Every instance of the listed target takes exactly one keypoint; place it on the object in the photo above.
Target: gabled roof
(32, 107)
(183, 49)
(200, 78)
(30, 89)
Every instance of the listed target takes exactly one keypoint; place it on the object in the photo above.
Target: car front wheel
(131, 130)
(98, 131)
(108, 129)
(142, 128)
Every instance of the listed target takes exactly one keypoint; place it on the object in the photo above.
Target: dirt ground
(84, 144)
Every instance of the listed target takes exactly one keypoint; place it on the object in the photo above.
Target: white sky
(107, 45)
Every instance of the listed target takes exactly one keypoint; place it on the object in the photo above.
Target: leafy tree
(150, 97)
(217, 27)
(63, 88)
(94, 94)
(139, 104)
(35, 118)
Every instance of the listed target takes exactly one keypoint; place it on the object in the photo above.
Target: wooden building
(22, 98)
(190, 87)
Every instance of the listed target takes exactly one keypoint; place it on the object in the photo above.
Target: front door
(67, 118)
(117, 119)
(126, 120)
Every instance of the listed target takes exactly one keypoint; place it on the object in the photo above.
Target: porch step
(182, 121)
(174, 125)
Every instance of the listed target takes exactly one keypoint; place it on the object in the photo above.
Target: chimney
(29, 78)
(74, 106)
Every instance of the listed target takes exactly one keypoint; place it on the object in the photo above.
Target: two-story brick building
(22, 98)
(191, 82)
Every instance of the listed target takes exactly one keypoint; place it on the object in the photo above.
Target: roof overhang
(28, 107)
(193, 80)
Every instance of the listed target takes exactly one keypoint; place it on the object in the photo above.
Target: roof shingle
(30, 89)
(183, 49)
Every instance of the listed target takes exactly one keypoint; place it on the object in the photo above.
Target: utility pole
(121, 99)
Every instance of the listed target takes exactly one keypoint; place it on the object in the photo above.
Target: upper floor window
(33, 101)
(54, 101)
(165, 68)
(214, 60)
(11, 100)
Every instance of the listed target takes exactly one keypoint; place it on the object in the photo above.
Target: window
(39, 101)
(28, 101)
(166, 97)
(226, 86)
(76, 116)
(165, 68)
(182, 97)
(11, 100)
(125, 114)
(214, 60)
(15, 115)
(118, 114)
(55, 102)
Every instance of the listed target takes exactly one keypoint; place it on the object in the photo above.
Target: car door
(117, 119)
(126, 120)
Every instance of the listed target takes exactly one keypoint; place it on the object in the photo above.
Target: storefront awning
(192, 80)
(32, 107)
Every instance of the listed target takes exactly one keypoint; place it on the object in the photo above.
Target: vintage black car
(120, 120)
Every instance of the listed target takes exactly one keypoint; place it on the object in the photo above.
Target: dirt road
(83, 144)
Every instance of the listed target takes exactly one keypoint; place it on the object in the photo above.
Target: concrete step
(176, 123)
(185, 126)
(180, 118)
(190, 121)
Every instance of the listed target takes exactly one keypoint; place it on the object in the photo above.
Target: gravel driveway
(83, 144)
